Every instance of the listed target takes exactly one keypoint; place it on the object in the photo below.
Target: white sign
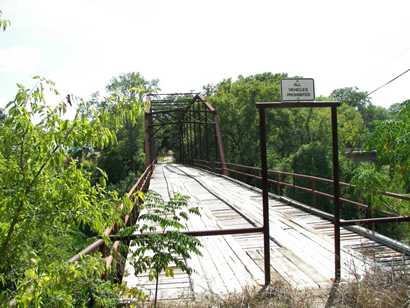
(294, 90)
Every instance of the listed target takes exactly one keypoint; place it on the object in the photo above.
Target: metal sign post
(262, 106)
(265, 197)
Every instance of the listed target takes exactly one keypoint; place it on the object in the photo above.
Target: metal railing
(280, 179)
(109, 255)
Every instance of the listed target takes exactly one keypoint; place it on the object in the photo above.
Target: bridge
(252, 228)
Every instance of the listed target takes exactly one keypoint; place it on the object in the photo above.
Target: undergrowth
(380, 287)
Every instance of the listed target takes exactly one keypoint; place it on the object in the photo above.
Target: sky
(82, 44)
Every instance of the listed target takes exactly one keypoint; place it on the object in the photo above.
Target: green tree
(235, 102)
(132, 85)
(351, 96)
(361, 101)
(47, 194)
(126, 156)
(391, 139)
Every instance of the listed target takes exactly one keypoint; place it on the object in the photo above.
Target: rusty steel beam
(141, 184)
(175, 94)
(376, 220)
(317, 104)
(306, 189)
(197, 233)
(148, 138)
(175, 123)
(265, 195)
(336, 191)
(335, 162)
(218, 136)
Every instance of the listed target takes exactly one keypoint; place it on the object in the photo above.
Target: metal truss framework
(192, 117)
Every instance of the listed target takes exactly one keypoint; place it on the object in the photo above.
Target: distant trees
(361, 102)
(235, 102)
(288, 130)
(391, 139)
(299, 140)
(132, 85)
(126, 156)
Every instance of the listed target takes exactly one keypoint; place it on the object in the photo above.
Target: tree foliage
(299, 140)
(360, 100)
(167, 248)
(391, 139)
(288, 130)
(50, 200)
(126, 156)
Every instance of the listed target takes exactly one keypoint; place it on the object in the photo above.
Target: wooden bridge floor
(301, 243)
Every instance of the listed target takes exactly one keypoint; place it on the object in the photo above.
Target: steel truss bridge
(251, 231)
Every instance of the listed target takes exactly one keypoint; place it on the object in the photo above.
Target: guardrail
(278, 183)
(109, 255)
(249, 175)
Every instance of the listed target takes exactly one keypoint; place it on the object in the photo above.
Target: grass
(279, 295)
(379, 287)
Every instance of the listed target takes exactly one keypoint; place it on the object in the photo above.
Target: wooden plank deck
(301, 243)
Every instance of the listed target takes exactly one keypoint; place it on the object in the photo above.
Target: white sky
(187, 44)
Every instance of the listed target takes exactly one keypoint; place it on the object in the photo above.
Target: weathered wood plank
(301, 243)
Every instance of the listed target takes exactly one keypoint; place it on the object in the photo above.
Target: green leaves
(67, 285)
(164, 247)
(50, 199)
(391, 140)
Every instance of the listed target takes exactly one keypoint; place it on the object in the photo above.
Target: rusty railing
(278, 183)
(129, 219)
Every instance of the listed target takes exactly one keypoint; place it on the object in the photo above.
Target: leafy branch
(170, 248)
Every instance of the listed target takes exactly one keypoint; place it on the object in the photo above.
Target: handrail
(280, 183)
(405, 197)
(140, 185)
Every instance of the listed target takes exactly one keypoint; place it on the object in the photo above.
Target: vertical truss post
(185, 128)
(195, 127)
(265, 200)
(148, 138)
(206, 136)
(189, 124)
(200, 125)
(219, 144)
(181, 142)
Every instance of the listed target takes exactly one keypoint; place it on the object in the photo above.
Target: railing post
(313, 186)
(280, 184)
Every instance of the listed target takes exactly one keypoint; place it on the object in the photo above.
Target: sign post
(299, 90)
